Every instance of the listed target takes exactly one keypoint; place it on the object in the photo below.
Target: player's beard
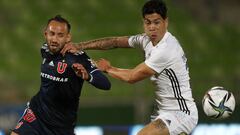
(55, 48)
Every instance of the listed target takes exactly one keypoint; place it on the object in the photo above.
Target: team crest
(61, 67)
(29, 116)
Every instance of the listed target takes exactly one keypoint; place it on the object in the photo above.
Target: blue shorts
(29, 124)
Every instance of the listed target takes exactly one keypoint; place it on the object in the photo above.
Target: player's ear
(166, 22)
(69, 37)
(45, 32)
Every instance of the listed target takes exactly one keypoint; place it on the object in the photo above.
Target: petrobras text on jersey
(54, 78)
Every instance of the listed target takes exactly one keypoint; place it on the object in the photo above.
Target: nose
(54, 38)
(152, 27)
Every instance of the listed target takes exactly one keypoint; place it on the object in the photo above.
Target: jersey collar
(166, 35)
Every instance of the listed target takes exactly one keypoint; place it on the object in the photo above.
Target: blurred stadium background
(208, 30)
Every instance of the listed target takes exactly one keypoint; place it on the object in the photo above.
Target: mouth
(153, 36)
(53, 46)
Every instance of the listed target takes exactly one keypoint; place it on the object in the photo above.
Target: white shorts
(178, 121)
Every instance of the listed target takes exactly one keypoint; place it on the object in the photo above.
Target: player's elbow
(131, 80)
(107, 86)
(100, 81)
(103, 86)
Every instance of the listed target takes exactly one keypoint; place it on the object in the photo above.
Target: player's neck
(156, 41)
(54, 53)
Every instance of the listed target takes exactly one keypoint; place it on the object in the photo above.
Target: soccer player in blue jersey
(53, 110)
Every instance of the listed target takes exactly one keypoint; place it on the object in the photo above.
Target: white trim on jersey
(45, 47)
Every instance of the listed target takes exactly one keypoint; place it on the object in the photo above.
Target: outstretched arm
(97, 44)
(136, 74)
(104, 43)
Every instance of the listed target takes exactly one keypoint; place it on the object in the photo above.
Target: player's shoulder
(170, 39)
(139, 40)
(140, 37)
(170, 47)
(77, 55)
(45, 47)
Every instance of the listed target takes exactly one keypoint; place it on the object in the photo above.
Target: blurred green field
(212, 49)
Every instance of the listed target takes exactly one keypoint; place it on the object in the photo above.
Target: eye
(147, 22)
(157, 22)
(60, 35)
(51, 33)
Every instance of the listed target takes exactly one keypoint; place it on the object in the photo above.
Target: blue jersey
(56, 103)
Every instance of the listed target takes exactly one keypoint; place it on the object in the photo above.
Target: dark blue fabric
(56, 103)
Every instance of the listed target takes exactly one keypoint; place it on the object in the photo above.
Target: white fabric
(179, 122)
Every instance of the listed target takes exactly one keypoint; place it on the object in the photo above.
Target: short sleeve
(137, 41)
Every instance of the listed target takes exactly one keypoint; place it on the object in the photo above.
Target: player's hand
(80, 71)
(69, 47)
(103, 65)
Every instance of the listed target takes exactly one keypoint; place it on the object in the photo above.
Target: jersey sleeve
(137, 41)
(86, 62)
(158, 60)
(97, 78)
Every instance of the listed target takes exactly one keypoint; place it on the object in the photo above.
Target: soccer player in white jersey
(165, 64)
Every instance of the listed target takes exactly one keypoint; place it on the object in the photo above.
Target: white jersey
(167, 59)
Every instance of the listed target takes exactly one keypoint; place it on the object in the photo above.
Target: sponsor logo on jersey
(168, 122)
(54, 78)
(61, 67)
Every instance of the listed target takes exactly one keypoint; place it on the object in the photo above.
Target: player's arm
(95, 77)
(99, 80)
(97, 44)
(136, 74)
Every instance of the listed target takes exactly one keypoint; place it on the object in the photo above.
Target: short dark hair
(60, 19)
(155, 6)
